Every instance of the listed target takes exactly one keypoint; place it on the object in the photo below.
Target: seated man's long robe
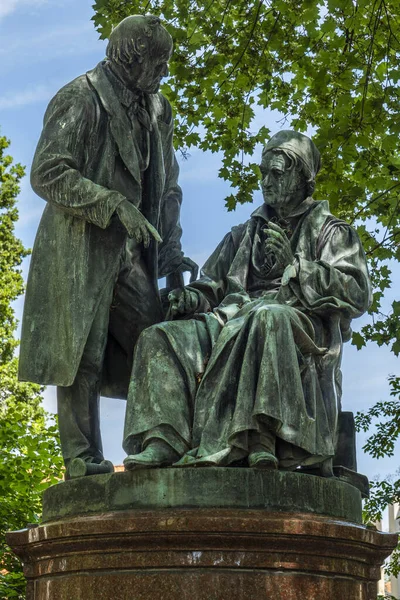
(262, 354)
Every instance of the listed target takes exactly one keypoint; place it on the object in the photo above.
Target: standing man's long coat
(80, 238)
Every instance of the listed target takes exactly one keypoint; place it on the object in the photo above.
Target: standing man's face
(146, 76)
(153, 69)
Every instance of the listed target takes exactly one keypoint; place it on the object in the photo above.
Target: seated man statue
(248, 367)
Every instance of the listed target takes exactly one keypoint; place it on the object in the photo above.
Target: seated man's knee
(161, 330)
(271, 313)
(149, 334)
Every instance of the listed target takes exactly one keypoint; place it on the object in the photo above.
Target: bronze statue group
(243, 366)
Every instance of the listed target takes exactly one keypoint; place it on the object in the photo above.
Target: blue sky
(46, 43)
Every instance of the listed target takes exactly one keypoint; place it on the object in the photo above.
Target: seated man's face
(282, 184)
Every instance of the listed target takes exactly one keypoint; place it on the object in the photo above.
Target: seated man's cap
(300, 145)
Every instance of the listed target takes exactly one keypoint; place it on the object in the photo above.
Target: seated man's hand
(182, 302)
(136, 225)
(278, 243)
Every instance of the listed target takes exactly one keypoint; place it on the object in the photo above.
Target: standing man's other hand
(136, 225)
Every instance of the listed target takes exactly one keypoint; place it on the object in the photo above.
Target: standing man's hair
(130, 40)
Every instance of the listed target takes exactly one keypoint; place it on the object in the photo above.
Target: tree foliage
(384, 419)
(29, 450)
(332, 65)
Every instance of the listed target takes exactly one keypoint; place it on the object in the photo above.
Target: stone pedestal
(264, 538)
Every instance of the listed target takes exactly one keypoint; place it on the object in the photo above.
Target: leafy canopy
(332, 65)
(29, 449)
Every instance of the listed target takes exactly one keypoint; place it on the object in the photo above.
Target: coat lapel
(155, 174)
(154, 181)
(119, 122)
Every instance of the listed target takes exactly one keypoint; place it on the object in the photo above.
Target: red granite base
(202, 554)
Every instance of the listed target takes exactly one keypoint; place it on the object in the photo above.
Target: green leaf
(358, 340)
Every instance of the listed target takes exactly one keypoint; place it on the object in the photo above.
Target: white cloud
(31, 95)
(21, 44)
(9, 6)
(18, 52)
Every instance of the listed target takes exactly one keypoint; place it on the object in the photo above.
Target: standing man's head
(290, 162)
(139, 49)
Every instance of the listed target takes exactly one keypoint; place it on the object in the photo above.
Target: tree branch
(390, 237)
(374, 200)
(196, 28)
(254, 79)
(237, 63)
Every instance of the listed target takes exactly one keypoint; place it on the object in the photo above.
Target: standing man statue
(106, 167)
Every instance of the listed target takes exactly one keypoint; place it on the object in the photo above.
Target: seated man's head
(289, 164)
(139, 50)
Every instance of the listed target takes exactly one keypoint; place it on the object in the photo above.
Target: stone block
(212, 487)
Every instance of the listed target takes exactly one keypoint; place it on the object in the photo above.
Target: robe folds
(80, 240)
(263, 356)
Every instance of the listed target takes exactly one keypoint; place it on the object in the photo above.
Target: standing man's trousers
(130, 303)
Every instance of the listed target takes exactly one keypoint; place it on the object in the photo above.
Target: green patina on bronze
(244, 366)
(106, 167)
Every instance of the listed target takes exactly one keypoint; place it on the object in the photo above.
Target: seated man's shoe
(185, 461)
(262, 451)
(157, 454)
(263, 460)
